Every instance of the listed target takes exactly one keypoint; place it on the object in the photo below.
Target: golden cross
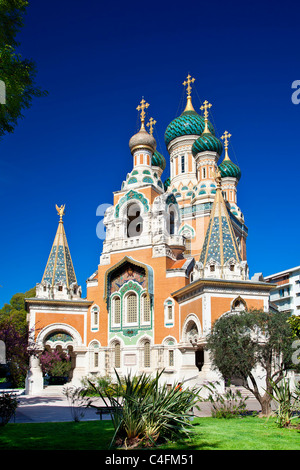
(226, 136)
(151, 124)
(188, 82)
(206, 105)
(141, 107)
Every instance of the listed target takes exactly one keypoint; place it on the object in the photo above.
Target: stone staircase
(53, 391)
(244, 392)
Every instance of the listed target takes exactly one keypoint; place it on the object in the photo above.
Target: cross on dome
(226, 136)
(206, 105)
(187, 83)
(141, 107)
(151, 125)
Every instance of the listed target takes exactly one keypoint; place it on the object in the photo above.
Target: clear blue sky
(97, 59)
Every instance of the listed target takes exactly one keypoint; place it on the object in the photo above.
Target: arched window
(182, 164)
(147, 354)
(95, 318)
(134, 220)
(116, 310)
(131, 307)
(117, 355)
(172, 222)
(169, 313)
(239, 304)
(146, 308)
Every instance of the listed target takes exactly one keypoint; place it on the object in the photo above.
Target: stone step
(53, 390)
(243, 391)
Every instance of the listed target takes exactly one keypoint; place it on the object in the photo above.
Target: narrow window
(117, 355)
(134, 221)
(95, 318)
(96, 359)
(203, 173)
(147, 354)
(182, 164)
(146, 308)
(132, 308)
(117, 310)
(172, 222)
(212, 268)
(171, 357)
(170, 312)
(232, 267)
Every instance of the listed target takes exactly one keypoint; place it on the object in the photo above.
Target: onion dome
(207, 141)
(158, 160)
(142, 140)
(227, 167)
(167, 183)
(189, 122)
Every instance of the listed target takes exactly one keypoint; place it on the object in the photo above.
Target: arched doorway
(57, 359)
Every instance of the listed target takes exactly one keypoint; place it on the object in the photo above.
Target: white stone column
(188, 367)
(34, 383)
(81, 365)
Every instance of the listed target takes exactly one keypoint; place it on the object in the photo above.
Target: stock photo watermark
(296, 94)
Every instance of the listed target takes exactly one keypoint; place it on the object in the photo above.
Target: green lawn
(250, 433)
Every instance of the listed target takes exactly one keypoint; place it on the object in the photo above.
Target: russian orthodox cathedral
(173, 261)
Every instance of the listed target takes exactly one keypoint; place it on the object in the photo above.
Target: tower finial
(141, 107)
(206, 105)
(187, 83)
(151, 125)
(60, 211)
(226, 136)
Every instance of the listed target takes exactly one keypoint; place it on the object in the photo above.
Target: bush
(148, 413)
(55, 363)
(225, 405)
(8, 406)
(288, 402)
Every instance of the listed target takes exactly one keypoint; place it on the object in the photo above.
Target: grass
(249, 433)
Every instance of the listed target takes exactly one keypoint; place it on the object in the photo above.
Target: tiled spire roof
(60, 267)
(220, 242)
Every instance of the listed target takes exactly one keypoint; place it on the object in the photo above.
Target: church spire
(220, 254)
(59, 269)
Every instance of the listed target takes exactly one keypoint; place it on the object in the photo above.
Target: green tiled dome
(228, 168)
(188, 123)
(167, 183)
(205, 142)
(158, 160)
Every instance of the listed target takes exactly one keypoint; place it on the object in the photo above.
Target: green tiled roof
(207, 142)
(188, 123)
(228, 168)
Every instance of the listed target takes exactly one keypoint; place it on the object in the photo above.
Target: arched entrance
(57, 358)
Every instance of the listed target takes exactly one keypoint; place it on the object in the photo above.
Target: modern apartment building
(287, 293)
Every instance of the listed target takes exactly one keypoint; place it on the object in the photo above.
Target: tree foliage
(242, 341)
(17, 73)
(294, 322)
(14, 333)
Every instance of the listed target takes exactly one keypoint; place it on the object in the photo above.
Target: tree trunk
(265, 402)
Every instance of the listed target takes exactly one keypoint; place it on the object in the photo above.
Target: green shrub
(147, 413)
(225, 405)
(288, 402)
